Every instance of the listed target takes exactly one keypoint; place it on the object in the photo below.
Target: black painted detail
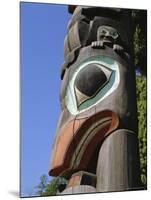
(90, 79)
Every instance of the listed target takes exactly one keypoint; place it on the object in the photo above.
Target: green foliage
(42, 185)
(140, 59)
(49, 188)
(141, 91)
(140, 39)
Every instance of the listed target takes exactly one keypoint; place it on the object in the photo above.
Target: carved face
(107, 33)
(97, 96)
(97, 93)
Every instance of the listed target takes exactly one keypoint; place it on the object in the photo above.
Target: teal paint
(111, 85)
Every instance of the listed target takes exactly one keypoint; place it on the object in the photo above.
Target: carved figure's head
(107, 33)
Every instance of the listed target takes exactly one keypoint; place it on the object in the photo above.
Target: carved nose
(89, 81)
(107, 34)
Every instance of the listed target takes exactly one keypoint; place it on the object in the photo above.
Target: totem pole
(96, 145)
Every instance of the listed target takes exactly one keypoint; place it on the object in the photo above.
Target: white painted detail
(70, 98)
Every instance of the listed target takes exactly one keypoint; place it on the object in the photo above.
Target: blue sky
(42, 31)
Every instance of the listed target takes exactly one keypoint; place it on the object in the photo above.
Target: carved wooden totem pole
(96, 145)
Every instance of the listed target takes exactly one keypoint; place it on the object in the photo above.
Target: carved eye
(114, 34)
(89, 81)
(103, 32)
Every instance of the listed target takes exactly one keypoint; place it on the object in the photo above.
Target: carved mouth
(75, 146)
(107, 39)
(81, 148)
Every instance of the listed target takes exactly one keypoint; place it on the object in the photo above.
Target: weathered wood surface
(118, 166)
(80, 189)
